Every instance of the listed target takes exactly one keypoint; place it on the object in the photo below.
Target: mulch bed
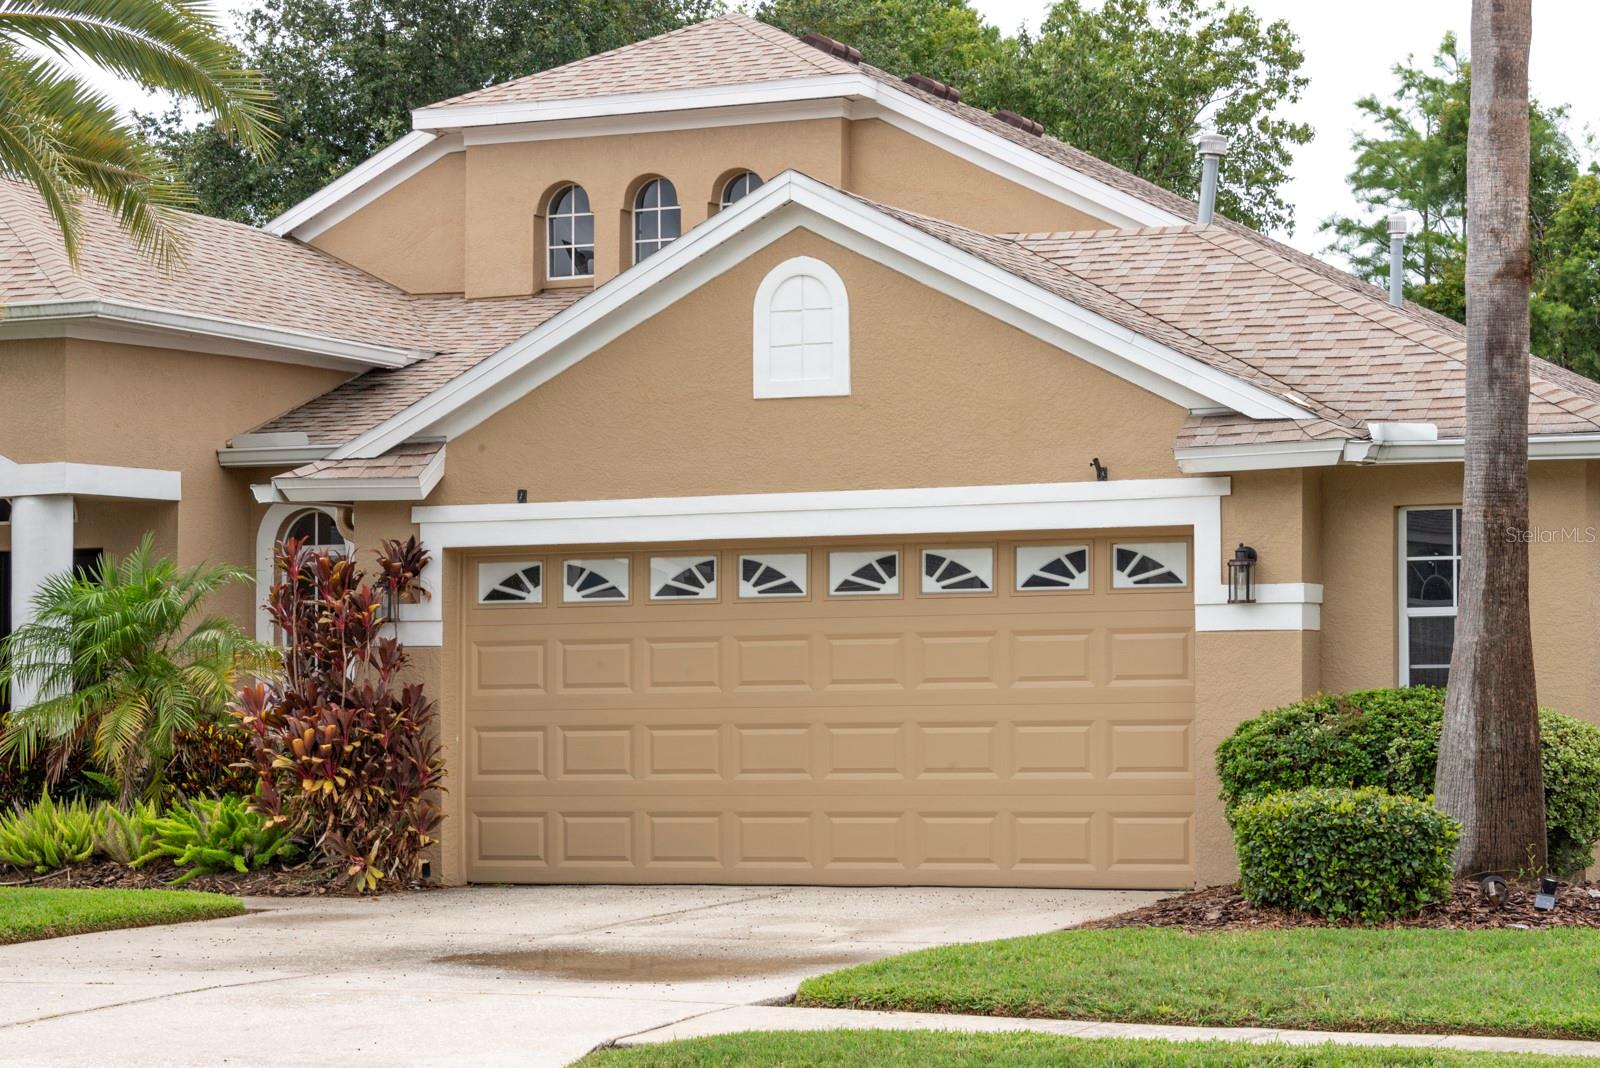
(300, 881)
(1221, 908)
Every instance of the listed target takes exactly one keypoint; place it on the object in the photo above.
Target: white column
(41, 546)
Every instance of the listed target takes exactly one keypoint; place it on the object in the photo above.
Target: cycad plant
(117, 665)
(67, 140)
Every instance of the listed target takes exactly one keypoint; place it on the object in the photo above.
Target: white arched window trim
(831, 380)
(273, 524)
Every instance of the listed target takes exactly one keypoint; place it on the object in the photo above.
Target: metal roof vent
(934, 87)
(1213, 146)
(1021, 122)
(837, 49)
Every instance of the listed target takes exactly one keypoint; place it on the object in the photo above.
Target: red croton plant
(342, 747)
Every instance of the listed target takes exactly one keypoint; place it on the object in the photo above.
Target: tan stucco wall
(134, 406)
(413, 236)
(894, 167)
(473, 221)
(941, 395)
(1360, 617)
(507, 186)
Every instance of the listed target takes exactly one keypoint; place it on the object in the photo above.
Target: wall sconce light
(1242, 576)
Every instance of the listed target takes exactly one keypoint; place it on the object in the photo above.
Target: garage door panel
(997, 738)
(860, 839)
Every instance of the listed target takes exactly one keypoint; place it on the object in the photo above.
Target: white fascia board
(782, 90)
(590, 323)
(315, 490)
(265, 493)
(1017, 163)
(1583, 446)
(91, 480)
(956, 135)
(660, 122)
(362, 184)
(139, 324)
(1266, 456)
(286, 456)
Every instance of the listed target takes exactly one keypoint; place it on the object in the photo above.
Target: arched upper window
(739, 186)
(316, 531)
(657, 219)
(570, 232)
(802, 331)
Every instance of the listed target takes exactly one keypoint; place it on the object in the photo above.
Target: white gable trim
(789, 202)
(126, 323)
(361, 185)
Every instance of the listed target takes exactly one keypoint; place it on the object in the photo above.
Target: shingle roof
(465, 330)
(732, 49)
(229, 271)
(407, 460)
(1350, 351)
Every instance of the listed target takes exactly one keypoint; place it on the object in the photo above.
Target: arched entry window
(657, 219)
(316, 531)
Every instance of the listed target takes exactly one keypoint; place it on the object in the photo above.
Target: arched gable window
(657, 219)
(738, 187)
(802, 331)
(570, 234)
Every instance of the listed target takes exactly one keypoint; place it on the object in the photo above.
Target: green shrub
(129, 835)
(47, 835)
(1390, 739)
(222, 834)
(1343, 853)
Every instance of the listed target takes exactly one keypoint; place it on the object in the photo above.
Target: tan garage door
(971, 712)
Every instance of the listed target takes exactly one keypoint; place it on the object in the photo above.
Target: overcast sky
(1349, 45)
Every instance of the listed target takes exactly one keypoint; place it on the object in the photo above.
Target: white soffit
(788, 202)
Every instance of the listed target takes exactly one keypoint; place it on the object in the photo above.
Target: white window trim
(836, 384)
(273, 521)
(660, 211)
(572, 217)
(1406, 612)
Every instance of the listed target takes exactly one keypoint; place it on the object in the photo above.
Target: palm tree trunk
(1489, 772)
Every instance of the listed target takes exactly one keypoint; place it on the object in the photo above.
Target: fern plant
(208, 836)
(47, 836)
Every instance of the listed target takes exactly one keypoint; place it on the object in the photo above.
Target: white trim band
(90, 480)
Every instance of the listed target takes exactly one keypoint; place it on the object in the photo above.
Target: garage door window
(957, 570)
(1052, 567)
(874, 572)
(772, 575)
(1149, 563)
(602, 580)
(683, 578)
(511, 582)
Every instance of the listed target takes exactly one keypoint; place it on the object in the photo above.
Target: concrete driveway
(482, 976)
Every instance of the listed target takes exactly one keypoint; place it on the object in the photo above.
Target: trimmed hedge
(1390, 739)
(1341, 853)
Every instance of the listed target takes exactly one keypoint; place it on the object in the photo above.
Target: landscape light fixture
(1545, 899)
(1496, 891)
(1242, 576)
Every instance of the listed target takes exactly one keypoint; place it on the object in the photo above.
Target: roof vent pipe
(1213, 146)
(1397, 259)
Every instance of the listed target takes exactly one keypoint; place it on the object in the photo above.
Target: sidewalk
(789, 1018)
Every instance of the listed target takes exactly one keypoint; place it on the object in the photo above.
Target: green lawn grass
(950, 1049)
(1538, 983)
(30, 912)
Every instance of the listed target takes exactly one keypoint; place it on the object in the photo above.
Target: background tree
(68, 141)
(348, 73)
(1566, 299)
(1130, 81)
(1489, 774)
(122, 666)
(1414, 157)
